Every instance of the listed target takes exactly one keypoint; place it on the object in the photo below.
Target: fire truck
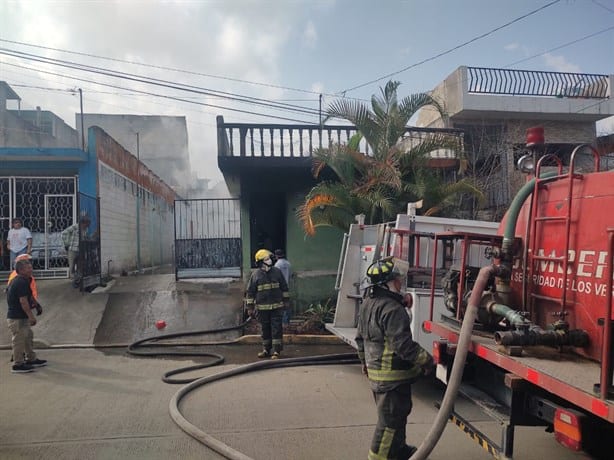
(518, 317)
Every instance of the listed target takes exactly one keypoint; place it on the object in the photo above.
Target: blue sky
(276, 47)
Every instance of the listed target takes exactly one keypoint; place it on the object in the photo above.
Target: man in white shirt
(286, 269)
(18, 241)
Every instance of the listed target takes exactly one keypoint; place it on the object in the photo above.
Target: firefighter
(267, 291)
(390, 358)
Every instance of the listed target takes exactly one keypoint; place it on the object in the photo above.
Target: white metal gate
(46, 205)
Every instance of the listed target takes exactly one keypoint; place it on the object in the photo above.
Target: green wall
(314, 259)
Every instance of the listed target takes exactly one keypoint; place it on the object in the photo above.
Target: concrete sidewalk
(128, 308)
(89, 404)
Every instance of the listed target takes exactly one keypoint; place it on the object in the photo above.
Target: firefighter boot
(264, 354)
(406, 452)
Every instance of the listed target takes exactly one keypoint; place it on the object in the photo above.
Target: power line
(603, 6)
(158, 95)
(573, 42)
(269, 85)
(448, 51)
(157, 82)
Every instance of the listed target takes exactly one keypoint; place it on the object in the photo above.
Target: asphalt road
(104, 404)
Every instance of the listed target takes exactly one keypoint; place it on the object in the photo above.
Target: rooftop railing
(251, 140)
(537, 83)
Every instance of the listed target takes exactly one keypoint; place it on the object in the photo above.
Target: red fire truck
(536, 322)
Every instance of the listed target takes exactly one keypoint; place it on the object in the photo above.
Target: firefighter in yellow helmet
(390, 358)
(267, 291)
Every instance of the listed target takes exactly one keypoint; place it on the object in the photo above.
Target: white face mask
(267, 264)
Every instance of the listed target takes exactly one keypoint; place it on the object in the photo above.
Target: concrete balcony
(472, 93)
(245, 147)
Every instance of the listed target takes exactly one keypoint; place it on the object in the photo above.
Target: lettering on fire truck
(586, 271)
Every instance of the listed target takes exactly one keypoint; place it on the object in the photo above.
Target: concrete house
(160, 142)
(49, 181)
(268, 169)
(495, 107)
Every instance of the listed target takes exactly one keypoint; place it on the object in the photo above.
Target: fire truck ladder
(534, 258)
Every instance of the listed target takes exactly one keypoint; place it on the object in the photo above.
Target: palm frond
(410, 105)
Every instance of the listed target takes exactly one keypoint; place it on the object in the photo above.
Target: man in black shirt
(20, 318)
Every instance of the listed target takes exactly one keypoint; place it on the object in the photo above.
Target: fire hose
(136, 349)
(464, 340)
(133, 349)
(217, 445)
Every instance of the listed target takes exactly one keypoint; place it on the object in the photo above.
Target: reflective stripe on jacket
(385, 342)
(267, 290)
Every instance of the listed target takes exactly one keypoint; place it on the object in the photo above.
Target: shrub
(318, 314)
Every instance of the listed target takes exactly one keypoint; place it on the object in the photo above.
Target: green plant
(318, 314)
(394, 172)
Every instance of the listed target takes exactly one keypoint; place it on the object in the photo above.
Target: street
(104, 404)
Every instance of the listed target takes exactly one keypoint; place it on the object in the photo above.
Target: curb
(296, 339)
(290, 339)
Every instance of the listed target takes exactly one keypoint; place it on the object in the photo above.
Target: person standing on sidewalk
(267, 291)
(20, 319)
(71, 237)
(35, 304)
(286, 269)
(390, 358)
(18, 241)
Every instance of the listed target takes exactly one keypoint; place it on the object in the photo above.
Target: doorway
(267, 222)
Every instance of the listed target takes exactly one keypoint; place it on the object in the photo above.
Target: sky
(280, 51)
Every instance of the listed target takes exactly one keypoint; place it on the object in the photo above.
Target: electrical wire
(158, 95)
(450, 50)
(173, 69)
(573, 42)
(157, 82)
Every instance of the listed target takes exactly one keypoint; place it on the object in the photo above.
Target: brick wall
(117, 189)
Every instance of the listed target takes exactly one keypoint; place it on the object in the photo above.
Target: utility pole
(82, 125)
(320, 132)
(138, 204)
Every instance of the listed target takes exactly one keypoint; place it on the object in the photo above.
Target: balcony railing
(537, 83)
(250, 140)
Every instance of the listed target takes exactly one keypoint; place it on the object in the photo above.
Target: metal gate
(89, 265)
(207, 238)
(46, 206)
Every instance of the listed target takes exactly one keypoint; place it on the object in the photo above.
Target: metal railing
(537, 83)
(297, 141)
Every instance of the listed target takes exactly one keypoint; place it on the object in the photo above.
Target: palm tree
(379, 183)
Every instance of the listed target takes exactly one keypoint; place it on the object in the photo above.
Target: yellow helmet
(262, 254)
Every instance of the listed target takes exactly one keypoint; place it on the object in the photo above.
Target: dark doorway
(267, 221)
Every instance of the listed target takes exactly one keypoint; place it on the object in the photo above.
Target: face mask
(267, 264)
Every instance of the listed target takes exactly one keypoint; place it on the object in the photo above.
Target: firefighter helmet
(382, 271)
(262, 254)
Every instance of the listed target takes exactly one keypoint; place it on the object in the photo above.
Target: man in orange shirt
(35, 305)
